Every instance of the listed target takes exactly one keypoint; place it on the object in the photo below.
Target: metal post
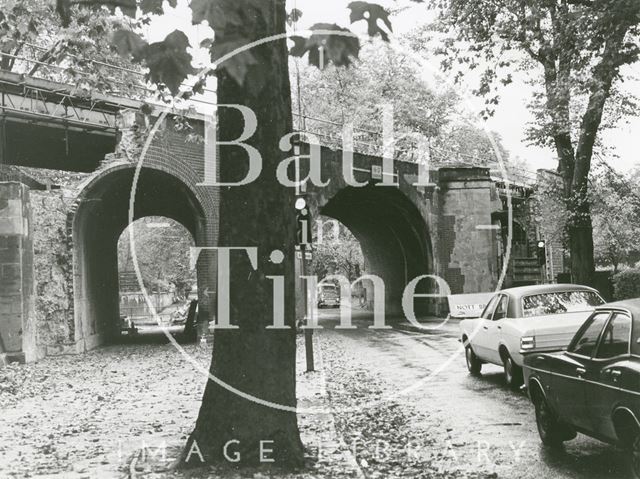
(551, 274)
(3, 136)
(308, 332)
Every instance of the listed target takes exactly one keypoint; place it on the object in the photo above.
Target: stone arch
(100, 215)
(393, 234)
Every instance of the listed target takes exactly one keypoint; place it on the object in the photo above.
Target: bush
(626, 284)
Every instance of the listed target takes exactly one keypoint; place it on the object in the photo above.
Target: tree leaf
(152, 6)
(128, 7)
(213, 12)
(198, 87)
(371, 12)
(294, 16)
(146, 109)
(128, 43)
(202, 10)
(299, 47)
(325, 48)
(169, 62)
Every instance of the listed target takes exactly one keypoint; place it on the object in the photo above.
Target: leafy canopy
(35, 41)
(162, 249)
(169, 61)
(573, 52)
(616, 217)
(384, 76)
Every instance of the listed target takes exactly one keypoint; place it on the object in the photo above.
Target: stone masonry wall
(55, 197)
(467, 246)
(17, 331)
(53, 271)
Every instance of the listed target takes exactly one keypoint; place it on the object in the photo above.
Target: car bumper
(329, 302)
(529, 352)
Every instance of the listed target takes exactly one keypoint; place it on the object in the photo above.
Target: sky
(511, 116)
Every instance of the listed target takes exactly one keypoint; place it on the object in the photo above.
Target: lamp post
(303, 234)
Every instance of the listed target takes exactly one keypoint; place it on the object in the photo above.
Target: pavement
(125, 411)
(326, 454)
(392, 403)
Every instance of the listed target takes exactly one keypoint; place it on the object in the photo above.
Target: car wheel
(549, 428)
(635, 458)
(474, 365)
(512, 372)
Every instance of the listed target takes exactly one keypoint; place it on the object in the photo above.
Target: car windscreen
(559, 302)
(327, 288)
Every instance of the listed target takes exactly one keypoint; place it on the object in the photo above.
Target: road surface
(467, 425)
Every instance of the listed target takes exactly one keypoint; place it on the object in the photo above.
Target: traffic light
(542, 253)
(303, 222)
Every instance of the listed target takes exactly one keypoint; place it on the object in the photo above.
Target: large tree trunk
(579, 228)
(253, 359)
(580, 233)
(576, 177)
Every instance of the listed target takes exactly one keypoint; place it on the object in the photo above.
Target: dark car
(328, 295)
(594, 386)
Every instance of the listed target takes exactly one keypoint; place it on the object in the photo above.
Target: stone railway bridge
(65, 186)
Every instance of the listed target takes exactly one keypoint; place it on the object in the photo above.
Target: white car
(519, 321)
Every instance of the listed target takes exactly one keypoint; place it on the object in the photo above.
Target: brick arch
(390, 222)
(188, 177)
(101, 213)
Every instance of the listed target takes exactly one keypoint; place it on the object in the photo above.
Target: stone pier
(17, 325)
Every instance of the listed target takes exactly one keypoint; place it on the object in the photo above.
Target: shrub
(626, 284)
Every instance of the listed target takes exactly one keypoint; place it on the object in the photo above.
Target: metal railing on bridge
(43, 91)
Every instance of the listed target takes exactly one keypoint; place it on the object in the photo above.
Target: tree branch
(12, 61)
(7, 62)
(556, 58)
(603, 75)
(44, 58)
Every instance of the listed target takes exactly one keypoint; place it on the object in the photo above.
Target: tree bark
(253, 359)
(580, 228)
(575, 163)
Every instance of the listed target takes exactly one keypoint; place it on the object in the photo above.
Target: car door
(630, 383)
(630, 373)
(569, 370)
(494, 328)
(481, 341)
(604, 373)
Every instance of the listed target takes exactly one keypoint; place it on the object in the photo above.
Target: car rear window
(560, 302)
